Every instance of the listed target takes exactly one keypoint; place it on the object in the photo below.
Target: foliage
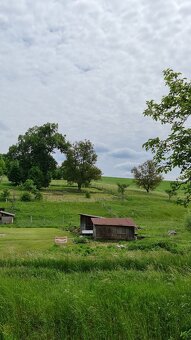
(14, 172)
(2, 167)
(121, 189)
(37, 176)
(5, 194)
(33, 154)
(38, 196)
(29, 185)
(146, 175)
(1, 173)
(175, 150)
(186, 335)
(80, 239)
(79, 166)
(26, 197)
(170, 193)
(87, 194)
(57, 173)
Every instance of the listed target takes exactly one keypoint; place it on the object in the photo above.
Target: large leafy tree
(146, 176)
(79, 166)
(34, 153)
(174, 151)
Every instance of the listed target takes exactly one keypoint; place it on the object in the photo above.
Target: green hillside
(108, 290)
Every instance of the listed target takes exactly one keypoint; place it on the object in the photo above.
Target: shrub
(38, 196)
(28, 185)
(80, 239)
(87, 194)
(26, 197)
(5, 195)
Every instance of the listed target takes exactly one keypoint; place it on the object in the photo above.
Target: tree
(79, 166)
(121, 189)
(1, 173)
(15, 172)
(2, 167)
(147, 176)
(33, 152)
(170, 193)
(175, 150)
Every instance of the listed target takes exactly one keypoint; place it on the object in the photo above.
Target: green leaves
(79, 166)
(174, 109)
(146, 176)
(33, 154)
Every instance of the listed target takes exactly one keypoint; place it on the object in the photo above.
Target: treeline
(33, 158)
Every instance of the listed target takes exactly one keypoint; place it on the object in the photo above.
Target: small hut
(114, 228)
(6, 217)
(86, 224)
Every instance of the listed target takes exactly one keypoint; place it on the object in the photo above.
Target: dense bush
(28, 185)
(81, 239)
(38, 196)
(26, 197)
(87, 194)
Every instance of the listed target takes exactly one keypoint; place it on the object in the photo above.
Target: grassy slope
(141, 291)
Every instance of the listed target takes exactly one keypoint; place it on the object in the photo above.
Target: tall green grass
(110, 305)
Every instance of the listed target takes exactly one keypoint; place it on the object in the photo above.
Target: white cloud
(90, 66)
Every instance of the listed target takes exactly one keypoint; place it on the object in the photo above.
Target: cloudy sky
(90, 66)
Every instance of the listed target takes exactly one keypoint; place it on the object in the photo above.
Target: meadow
(89, 289)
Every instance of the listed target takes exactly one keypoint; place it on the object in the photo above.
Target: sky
(90, 66)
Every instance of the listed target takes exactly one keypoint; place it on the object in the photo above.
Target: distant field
(137, 290)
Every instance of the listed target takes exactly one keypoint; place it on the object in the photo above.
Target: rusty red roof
(117, 222)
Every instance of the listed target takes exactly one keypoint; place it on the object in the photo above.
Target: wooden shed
(86, 224)
(6, 217)
(114, 228)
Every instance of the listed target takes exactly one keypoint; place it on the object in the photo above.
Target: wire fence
(44, 221)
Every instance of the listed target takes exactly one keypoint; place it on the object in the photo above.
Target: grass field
(97, 289)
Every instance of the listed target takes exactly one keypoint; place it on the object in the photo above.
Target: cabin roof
(6, 213)
(117, 222)
(90, 215)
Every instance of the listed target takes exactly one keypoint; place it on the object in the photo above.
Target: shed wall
(6, 220)
(114, 233)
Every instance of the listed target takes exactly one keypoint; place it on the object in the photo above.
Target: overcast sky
(90, 66)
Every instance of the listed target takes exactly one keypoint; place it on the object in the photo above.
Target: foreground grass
(140, 291)
(46, 304)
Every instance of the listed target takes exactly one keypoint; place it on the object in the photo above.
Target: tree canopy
(174, 110)
(146, 175)
(32, 155)
(79, 166)
(2, 166)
